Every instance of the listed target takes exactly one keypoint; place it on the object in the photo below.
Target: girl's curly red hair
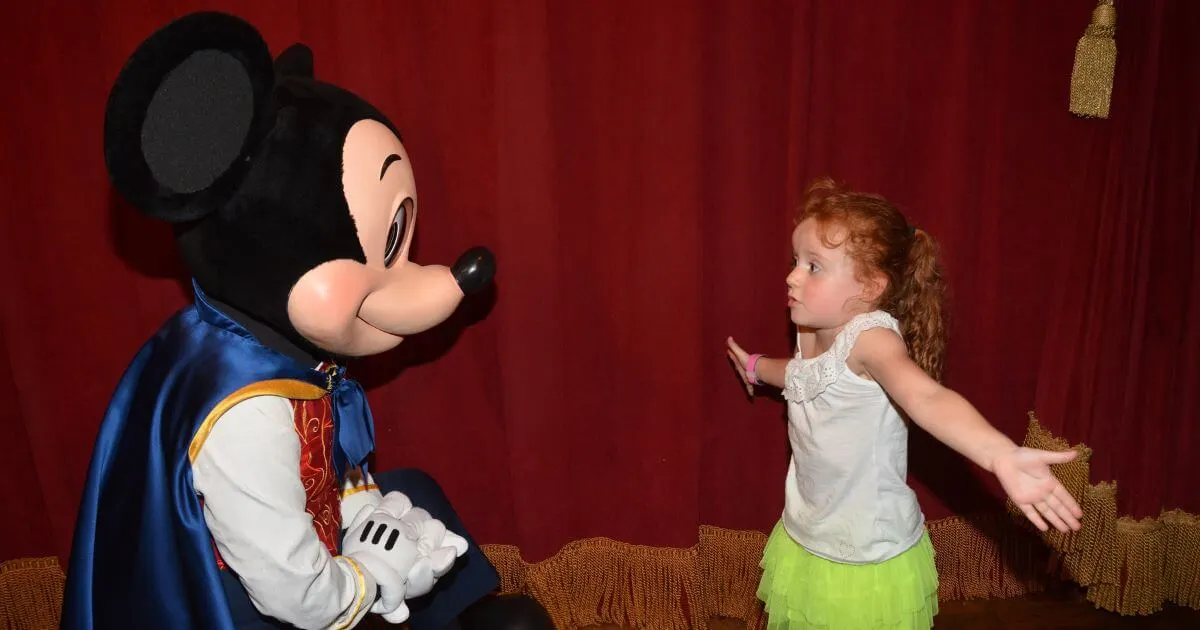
(879, 239)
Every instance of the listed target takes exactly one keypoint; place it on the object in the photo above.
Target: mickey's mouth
(346, 307)
(411, 299)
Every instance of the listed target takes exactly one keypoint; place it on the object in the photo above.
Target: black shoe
(506, 612)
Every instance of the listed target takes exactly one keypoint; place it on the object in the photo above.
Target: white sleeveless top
(847, 499)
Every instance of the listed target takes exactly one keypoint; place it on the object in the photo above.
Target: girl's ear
(873, 287)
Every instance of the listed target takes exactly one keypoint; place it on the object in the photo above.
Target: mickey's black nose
(474, 269)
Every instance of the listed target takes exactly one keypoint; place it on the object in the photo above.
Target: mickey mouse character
(229, 486)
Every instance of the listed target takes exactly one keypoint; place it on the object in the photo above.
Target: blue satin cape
(142, 556)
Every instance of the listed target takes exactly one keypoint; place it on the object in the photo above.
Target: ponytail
(918, 305)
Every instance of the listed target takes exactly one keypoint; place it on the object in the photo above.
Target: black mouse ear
(296, 61)
(190, 107)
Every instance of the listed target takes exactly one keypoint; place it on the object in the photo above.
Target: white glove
(382, 546)
(404, 548)
(438, 547)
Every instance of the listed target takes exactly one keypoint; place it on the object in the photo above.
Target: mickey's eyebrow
(386, 163)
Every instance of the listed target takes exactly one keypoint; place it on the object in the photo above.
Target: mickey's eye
(395, 236)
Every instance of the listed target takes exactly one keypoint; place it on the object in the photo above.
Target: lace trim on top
(805, 379)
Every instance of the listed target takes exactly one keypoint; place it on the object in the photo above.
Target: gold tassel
(1095, 60)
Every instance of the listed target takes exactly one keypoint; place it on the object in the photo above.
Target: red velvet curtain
(635, 167)
(1121, 366)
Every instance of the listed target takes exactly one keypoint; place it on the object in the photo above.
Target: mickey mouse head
(292, 199)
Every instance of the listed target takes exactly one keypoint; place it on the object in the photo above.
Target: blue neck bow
(355, 425)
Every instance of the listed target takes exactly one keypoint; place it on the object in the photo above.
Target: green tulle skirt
(804, 591)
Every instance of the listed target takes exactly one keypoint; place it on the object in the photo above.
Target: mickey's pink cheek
(324, 303)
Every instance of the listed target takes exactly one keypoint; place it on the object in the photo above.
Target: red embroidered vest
(314, 428)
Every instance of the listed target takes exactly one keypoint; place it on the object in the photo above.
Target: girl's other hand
(1026, 476)
(739, 358)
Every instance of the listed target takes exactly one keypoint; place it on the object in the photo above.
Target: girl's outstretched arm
(1024, 473)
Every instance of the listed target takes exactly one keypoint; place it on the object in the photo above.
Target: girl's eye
(813, 267)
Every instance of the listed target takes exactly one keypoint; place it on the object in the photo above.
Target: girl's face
(823, 292)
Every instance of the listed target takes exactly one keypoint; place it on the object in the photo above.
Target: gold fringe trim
(983, 557)
(727, 561)
(600, 581)
(1181, 570)
(31, 593)
(1128, 566)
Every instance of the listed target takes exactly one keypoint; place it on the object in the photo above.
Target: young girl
(851, 550)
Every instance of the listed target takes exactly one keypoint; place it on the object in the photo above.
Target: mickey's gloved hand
(381, 545)
(405, 548)
(438, 547)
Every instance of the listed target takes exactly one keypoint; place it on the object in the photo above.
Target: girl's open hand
(739, 358)
(1026, 477)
